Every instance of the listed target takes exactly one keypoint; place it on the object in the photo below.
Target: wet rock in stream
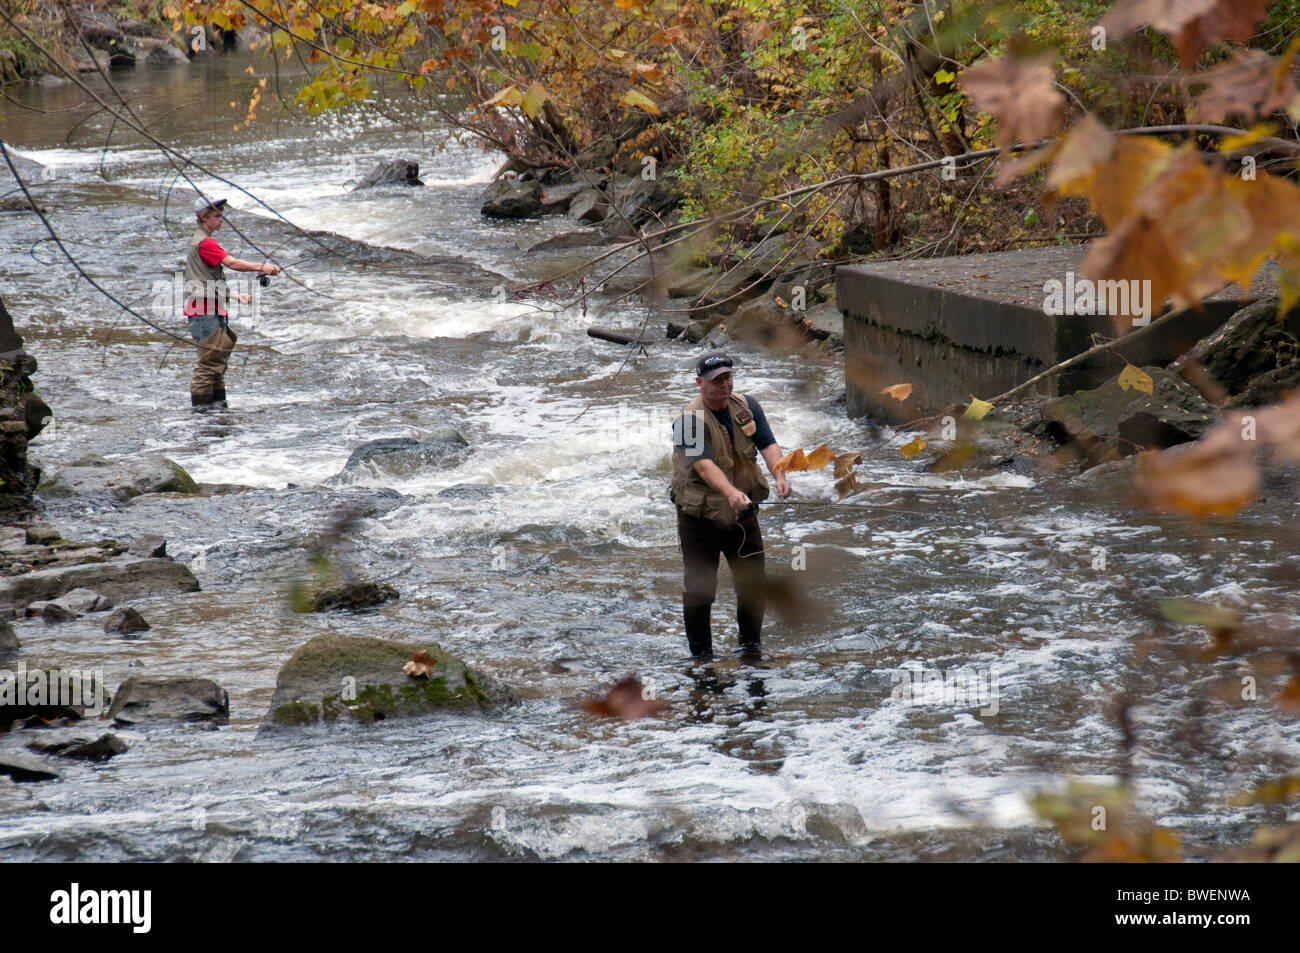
(336, 677)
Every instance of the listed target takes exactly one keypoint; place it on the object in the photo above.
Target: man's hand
(270, 269)
(738, 500)
(782, 486)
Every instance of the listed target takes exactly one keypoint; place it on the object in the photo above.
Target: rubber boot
(201, 402)
(219, 399)
(698, 634)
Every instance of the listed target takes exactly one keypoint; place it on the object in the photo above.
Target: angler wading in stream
(206, 294)
(716, 486)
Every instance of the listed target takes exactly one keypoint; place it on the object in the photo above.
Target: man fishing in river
(717, 486)
(205, 303)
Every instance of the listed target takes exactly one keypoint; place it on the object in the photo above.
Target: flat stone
(150, 546)
(116, 578)
(24, 769)
(357, 595)
(121, 480)
(78, 745)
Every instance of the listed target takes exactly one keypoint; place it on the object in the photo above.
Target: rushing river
(561, 573)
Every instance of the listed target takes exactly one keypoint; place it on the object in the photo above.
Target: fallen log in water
(615, 337)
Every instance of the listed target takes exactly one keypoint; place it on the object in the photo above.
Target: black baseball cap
(712, 364)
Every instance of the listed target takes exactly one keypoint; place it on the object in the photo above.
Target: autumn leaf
(978, 409)
(1214, 476)
(1193, 25)
(909, 450)
(1110, 170)
(1020, 94)
(845, 462)
(420, 665)
(848, 484)
(674, 34)
(1250, 84)
(899, 392)
(635, 99)
(509, 96)
(532, 102)
(1134, 378)
(794, 460)
(627, 700)
(820, 457)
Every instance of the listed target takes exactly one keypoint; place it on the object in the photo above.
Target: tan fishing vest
(202, 281)
(735, 455)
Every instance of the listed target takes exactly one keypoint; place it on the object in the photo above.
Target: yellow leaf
(1136, 379)
(899, 392)
(533, 99)
(616, 54)
(510, 96)
(909, 450)
(977, 409)
(1247, 138)
(632, 98)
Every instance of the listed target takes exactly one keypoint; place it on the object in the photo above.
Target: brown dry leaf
(846, 485)
(845, 462)
(1193, 25)
(1213, 477)
(626, 700)
(420, 665)
(1250, 84)
(820, 457)
(1110, 170)
(909, 450)
(899, 392)
(1020, 94)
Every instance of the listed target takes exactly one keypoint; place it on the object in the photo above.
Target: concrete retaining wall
(974, 325)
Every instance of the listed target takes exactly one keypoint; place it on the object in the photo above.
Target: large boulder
(145, 699)
(512, 198)
(405, 456)
(1253, 357)
(120, 479)
(1108, 421)
(394, 172)
(363, 679)
(8, 640)
(39, 694)
(588, 206)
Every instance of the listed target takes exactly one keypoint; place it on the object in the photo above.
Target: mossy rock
(361, 679)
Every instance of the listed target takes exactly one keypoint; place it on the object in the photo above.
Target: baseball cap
(712, 364)
(201, 205)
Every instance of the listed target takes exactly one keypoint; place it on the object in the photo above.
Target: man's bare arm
(712, 474)
(772, 456)
(238, 264)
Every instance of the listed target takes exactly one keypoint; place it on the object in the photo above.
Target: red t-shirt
(212, 255)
